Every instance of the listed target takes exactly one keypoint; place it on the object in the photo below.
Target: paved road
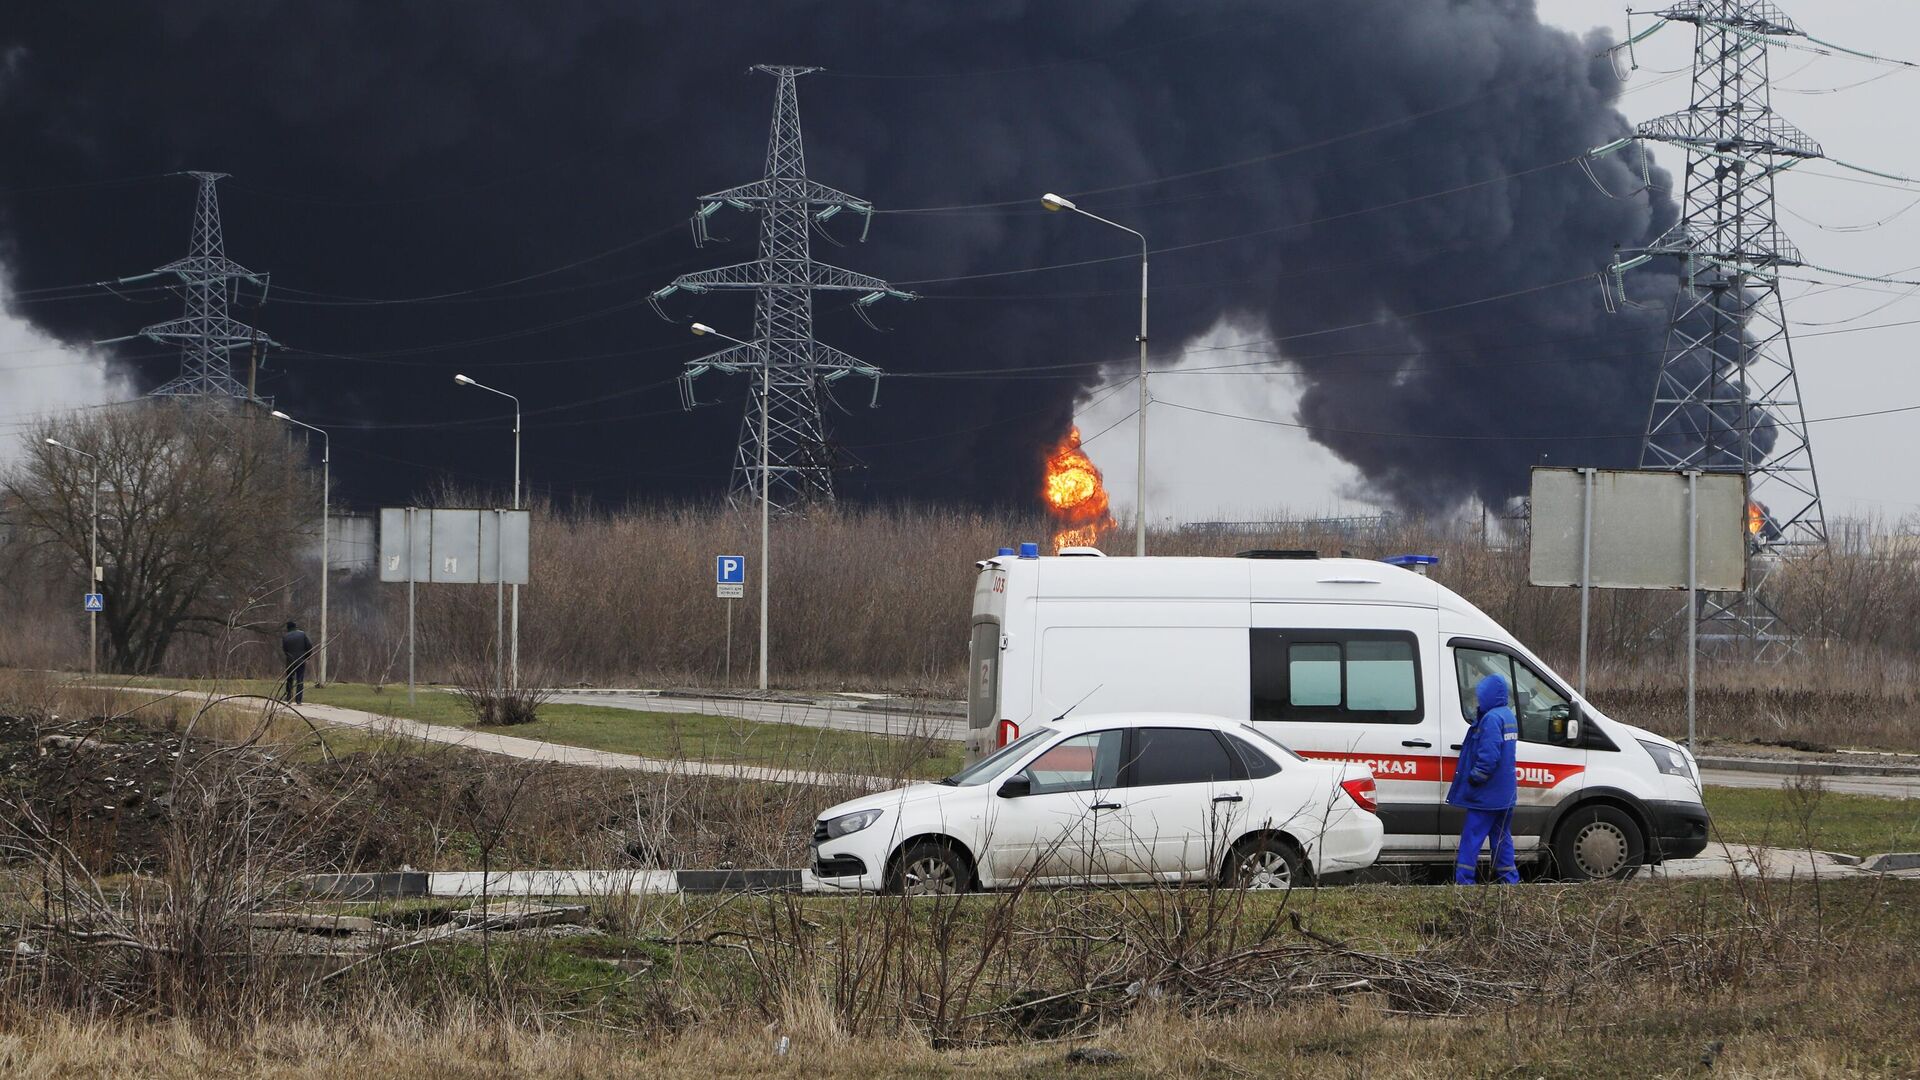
(848, 715)
(1889, 787)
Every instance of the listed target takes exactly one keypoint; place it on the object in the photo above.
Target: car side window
(1472, 665)
(1179, 756)
(1255, 765)
(1088, 762)
(1541, 710)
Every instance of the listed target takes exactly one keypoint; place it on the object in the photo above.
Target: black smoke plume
(1381, 185)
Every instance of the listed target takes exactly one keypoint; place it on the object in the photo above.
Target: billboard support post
(1693, 588)
(410, 585)
(499, 613)
(1586, 570)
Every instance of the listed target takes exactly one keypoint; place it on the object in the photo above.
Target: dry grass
(1852, 1013)
(155, 976)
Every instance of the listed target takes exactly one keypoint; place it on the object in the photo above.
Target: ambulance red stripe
(1438, 768)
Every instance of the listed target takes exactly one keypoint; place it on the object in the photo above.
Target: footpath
(535, 750)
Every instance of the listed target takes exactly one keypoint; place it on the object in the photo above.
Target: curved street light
(1056, 203)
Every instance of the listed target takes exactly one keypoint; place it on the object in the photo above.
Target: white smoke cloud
(1207, 468)
(40, 375)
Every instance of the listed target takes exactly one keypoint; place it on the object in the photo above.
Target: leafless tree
(204, 509)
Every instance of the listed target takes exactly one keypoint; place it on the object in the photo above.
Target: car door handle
(1106, 806)
(1415, 742)
(1229, 798)
(1455, 746)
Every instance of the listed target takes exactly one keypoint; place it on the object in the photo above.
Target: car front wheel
(929, 869)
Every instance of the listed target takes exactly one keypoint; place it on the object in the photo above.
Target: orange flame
(1075, 494)
(1756, 518)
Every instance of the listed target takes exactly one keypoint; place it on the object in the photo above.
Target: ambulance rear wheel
(1598, 843)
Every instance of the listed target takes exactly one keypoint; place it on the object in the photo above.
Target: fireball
(1075, 494)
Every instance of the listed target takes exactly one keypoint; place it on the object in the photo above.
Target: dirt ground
(106, 787)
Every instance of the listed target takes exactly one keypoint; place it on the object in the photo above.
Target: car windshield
(989, 767)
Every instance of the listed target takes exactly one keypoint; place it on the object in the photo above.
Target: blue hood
(1492, 693)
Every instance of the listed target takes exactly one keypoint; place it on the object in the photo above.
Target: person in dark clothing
(1486, 784)
(296, 647)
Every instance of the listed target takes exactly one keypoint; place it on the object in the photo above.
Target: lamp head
(1055, 202)
(53, 442)
(701, 329)
(463, 380)
(278, 415)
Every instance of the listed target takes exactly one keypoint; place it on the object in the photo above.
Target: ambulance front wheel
(1598, 843)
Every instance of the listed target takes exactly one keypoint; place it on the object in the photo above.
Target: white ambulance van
(1340, 659)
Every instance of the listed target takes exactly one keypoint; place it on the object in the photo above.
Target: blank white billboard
(1639, 538)
(462, 547)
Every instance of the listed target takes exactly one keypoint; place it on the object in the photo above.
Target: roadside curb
(544, 883)
(1891, 861)
(1804, 768)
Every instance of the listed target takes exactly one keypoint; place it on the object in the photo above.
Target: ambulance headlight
(1668, 759)
(850, 823)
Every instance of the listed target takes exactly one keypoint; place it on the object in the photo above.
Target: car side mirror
(1573, 730)
(1016, 787)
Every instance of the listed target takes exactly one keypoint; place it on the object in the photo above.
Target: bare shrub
(499, 701)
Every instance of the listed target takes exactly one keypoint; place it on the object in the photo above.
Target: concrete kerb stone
(528, 884)
(1783, 767)
(1891, 861)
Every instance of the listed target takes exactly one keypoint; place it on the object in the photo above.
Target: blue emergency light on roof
(1006, 551)
(1416, 563)
(1029, 550)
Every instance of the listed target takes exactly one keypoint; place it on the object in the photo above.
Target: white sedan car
(1119, 798)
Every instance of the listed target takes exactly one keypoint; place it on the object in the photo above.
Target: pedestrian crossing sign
(96, 602)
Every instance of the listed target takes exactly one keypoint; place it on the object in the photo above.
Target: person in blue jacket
(1486, 784)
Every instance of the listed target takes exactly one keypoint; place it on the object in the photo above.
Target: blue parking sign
(96, 601)
(729, 569)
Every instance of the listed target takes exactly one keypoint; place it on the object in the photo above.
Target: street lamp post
(500, 541)
(93, 558)
(766, 489)
(1055, 202)
(326, 525)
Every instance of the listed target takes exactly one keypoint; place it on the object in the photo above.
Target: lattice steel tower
(1727, 398)
(205, 333)
(792, 369)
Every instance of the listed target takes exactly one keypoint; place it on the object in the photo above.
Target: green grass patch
(1825, 820)
(682, 736)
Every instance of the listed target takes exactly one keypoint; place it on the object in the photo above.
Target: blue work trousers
(1481, 827)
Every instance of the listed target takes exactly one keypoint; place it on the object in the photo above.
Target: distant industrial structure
(1728, 397)
(791, 369)
(206, 335)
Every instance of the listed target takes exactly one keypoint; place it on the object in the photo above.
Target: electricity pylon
(205, 334)
(1727, 398)
(792, 368)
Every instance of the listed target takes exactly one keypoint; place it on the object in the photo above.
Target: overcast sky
(1208, 468)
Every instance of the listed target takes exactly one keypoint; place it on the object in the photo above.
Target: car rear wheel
(1265, 863)
(928, 868)
(1598, 843)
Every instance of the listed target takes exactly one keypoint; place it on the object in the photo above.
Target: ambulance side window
(1342, 676)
